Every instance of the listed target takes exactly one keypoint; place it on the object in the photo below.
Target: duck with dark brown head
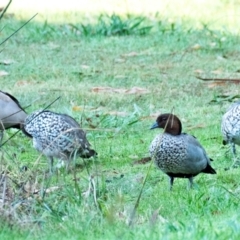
(178, 154)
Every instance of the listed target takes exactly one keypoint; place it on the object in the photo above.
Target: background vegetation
(116, 66)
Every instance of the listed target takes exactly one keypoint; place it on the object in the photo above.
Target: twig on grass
(232, 80)
(18, 29)
(5, 9)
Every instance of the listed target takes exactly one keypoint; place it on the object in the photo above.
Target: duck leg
(1, 137)
(67, 166)
(233, 149)
(191, 182)
(50, 159)
(236, 161)
(171, 182)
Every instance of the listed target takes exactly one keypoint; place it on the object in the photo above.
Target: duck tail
(209, 170)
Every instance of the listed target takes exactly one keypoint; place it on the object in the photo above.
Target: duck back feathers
(57, 135)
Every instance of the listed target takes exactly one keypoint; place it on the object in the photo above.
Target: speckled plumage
(178, 154)
(12, 114)
(57, 136)
(231, 126)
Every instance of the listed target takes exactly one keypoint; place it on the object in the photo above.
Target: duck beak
(155, 125)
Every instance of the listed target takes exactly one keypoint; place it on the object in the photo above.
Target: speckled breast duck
(57, 135)
(231, 126)
(178, 154)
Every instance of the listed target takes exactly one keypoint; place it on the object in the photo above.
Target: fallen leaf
(23, 83)
(3, 73)
(153, 219)
(119, 60)
(6, 62)
(116, 113)
(103, 89)
(196, 47)
(53, 46)
(216, 84)
(47, 190)
(120, 77)
(86, 108)
(133, 90)
(76, 108)
(212, 44)
(198, 71)
(131, 54)
(217, 71)
(85, 66)
(143, 160)
(52, 189)
(220, 58)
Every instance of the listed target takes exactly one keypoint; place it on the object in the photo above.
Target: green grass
(51, 60)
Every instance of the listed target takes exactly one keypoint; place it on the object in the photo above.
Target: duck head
(169, 122)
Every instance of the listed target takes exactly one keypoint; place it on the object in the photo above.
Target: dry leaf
(216, 84)
(137, 90)
(220, 58)
(153, 219)
(120, 76)
(53, 46)
(52, 189)
(76, 108)
(217, 71)
(120, 114)
(143, 160)
(133, 90)
(196, 47)
(6, 62)
(212, 44)
(108, 90)
(23, 83)
(131, 54)
(119, 60)
(47, 190)
(85, 66)
(198, 71)
(87, 108)
(231, 80)
(3, 73)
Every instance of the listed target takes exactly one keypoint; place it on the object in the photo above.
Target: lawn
(114, 73)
